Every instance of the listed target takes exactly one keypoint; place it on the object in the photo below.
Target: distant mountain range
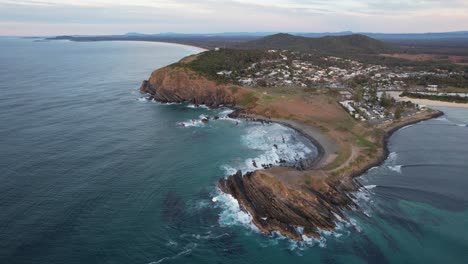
(382, 36)
(437, 35)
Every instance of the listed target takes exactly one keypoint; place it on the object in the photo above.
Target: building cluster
(346, 76)
(366, 111)
(296, 70)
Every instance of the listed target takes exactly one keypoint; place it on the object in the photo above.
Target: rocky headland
(176, 84)
(311, 196)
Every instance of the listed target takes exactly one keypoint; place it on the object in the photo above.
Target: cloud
(115, 16)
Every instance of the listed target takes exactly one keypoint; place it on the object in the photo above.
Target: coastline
(386, 139)
(427, 102)
(302, 199)
(335, 196)
(325, 148)
(202, 49)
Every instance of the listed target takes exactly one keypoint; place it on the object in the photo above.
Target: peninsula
(349, 124)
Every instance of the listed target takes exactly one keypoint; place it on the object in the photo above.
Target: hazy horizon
(106, 17)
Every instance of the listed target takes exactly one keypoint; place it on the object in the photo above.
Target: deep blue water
(90, 173)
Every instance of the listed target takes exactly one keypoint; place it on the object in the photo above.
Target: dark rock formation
(292, 211)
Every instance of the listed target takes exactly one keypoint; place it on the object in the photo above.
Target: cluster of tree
(436, 97)
(210, 63)
(329, 45)
(449, 80)
(387, 101)
(359, 81)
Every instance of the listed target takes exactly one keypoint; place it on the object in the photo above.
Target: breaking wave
(395, 168)
(197, 106)
(231, 213)
(275, 145)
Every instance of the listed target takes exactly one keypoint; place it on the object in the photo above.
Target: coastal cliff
(179, 84)
(295, 201)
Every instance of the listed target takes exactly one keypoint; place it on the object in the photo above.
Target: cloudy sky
(56, 17)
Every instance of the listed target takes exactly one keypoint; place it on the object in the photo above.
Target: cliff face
(177, 84)
(291, 210)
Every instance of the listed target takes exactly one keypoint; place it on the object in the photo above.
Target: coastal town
(364, 88)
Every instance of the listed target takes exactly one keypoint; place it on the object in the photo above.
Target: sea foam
(274, 143)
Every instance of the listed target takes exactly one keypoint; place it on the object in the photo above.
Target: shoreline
(386, 139)
(324, 149)
(132, 40)
(433, 103)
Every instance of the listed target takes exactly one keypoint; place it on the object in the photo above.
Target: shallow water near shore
(91, 173)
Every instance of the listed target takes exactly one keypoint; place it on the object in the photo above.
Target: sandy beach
(427, 102)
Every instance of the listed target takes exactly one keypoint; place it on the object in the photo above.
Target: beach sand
(426, 102)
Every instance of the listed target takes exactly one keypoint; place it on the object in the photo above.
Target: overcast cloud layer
(56, 17)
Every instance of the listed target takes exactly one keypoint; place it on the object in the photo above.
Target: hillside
(350, 44)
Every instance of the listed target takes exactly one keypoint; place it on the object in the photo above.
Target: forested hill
(333, 45)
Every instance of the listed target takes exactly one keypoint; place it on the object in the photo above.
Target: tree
(358, 94)
(373, 95)
(398, 112)
(386, 100)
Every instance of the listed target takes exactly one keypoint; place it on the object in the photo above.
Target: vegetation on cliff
(210, 63)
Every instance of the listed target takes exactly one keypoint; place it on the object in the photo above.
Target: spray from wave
(275, 145)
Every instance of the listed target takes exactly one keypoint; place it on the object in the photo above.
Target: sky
(99, 17)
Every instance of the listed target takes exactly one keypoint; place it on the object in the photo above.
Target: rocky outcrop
(293, 211)
(179, 84)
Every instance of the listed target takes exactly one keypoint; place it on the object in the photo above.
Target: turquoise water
(92, 173)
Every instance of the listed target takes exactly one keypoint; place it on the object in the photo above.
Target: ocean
(91, 172)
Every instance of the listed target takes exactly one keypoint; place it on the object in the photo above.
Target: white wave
(461, 125)
(160, 103)
(354, 223)
(185, 252)
(209, 236)
(228, 170)
(231, 214)
(405, 127)
(275, 143)
(370, 187)
(199, 106)
(191, 123)
(361, 196)
(442, 118)
(225, 112)
(396, 168)
(392, 156)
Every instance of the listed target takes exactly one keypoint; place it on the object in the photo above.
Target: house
(224, 73)
(346, 95)
(432, 88)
